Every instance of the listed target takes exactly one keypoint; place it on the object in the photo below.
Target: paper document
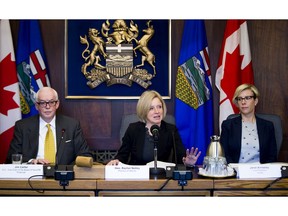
(160, 164)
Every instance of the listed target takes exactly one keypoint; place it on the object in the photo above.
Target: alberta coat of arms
(109, 53)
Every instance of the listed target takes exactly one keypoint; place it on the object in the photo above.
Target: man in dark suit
(29, 134)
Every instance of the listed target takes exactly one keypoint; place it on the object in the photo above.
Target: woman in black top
(138, 143)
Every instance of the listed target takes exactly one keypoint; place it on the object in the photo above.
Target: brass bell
(215, 149)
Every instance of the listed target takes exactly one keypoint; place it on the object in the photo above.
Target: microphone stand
(155, 156)
(156, 171)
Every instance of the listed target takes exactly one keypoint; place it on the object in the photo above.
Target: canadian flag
(9, 90)
(234, 66)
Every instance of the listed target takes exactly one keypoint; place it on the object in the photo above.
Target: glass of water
(16, 158)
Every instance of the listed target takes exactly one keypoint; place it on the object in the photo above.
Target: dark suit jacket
(69, 137)
(230, 139)
(131, 150)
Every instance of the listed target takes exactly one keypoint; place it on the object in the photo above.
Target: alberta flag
(31, 65)
(9, 90)
(194, 104)
(234, 66)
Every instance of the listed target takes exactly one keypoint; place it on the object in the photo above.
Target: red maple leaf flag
(9, 89)
(234, 66)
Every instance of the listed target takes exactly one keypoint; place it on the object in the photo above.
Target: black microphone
(155, 171)
(58, 146)
(174, 149)
(50, 170)
(62, 133)
(155, 132)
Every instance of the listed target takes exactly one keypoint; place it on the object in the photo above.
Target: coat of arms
(110, 52)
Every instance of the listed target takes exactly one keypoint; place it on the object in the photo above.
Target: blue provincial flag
(31, 65)
(194, 103)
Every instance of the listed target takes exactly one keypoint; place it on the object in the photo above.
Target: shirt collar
(43, 123)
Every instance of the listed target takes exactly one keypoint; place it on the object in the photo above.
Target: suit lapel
(260, 131)
(60, 137)
(34, 137)
(238, 133)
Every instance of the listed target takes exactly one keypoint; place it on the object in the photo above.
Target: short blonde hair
(243, 87)
(144, 103)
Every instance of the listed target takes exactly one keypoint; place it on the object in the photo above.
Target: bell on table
(215, 149)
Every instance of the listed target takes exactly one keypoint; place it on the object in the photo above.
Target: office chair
(130, 118)
(276, 120)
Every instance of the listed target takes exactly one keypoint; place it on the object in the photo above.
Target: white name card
(259, 171)
(20, 171)
(126, 172)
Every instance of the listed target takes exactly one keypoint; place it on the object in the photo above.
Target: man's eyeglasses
(246, 98)
(43, 104)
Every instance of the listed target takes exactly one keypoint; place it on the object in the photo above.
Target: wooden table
(46, 187)
(195, 187)
(250, 187)
(95, 186)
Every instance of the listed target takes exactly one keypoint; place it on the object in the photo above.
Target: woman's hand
(191, 157)
(114, 162)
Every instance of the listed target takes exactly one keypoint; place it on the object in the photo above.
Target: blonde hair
(144, 103)
(243, 87)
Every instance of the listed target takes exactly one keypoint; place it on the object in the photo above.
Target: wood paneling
(101, 119)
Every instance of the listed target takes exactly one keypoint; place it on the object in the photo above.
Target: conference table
(154, 187)
(250, 187)
(46, 187)
(96, 185)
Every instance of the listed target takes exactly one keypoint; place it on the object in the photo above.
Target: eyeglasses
(246, 98)
(43, 104)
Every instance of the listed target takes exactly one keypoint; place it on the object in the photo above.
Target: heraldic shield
(117, 59)
(117, 45)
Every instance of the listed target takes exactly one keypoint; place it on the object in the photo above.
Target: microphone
(58, 146)
(180, 172)
(155, 132)
(174, 148)
(49, 169)
(63, 173)
(62, 133)
(170, 170)
(155, 171)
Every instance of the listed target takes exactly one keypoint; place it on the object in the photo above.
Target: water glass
(16, 158)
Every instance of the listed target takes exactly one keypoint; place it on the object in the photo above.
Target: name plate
(126, 172)
(259, 171)
(20, 171)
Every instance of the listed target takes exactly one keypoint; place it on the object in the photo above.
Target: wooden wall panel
(100, 119)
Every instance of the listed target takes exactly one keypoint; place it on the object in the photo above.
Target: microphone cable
(284, 174)
(272, 183)
(165, 183)
(174, 148)
(29, 182)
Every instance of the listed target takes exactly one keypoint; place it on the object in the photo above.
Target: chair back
(276, 120)
(130, 118)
